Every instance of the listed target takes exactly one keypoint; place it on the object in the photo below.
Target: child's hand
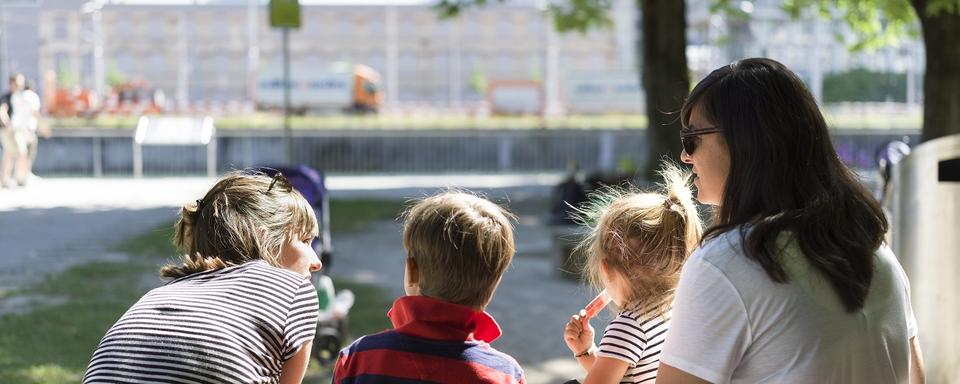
(578, 334)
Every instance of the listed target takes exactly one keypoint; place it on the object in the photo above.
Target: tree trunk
(665, 76)
(941, 83)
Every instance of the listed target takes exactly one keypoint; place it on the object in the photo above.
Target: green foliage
(864, 85)
(478, 81)
(943, 6)
(581, 15)
(731, 10)
(114, 77)
(876, 23)
(453, 8)
(53, 342)
(351, 215)
(626, 165)
(65, 77)
(571, 15)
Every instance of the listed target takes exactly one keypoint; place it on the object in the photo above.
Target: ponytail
(183, 238)
(679, 201)
(645, 236)
(242, 218)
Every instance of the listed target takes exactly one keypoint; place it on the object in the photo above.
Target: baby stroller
(332, 328)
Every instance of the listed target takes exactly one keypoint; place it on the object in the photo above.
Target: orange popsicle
(597, 304)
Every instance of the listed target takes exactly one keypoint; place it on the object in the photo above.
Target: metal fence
(110, 153)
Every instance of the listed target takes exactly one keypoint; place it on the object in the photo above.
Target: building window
(470, 27)
(157, 28)
(504, 26)
(123, 63)
(343, 26)
(534, 24)
(122, 27)
(442, 29)
(595, 62)
(408, 63)
(439, 63)
(406, 27)
(61, 27)
(505, 65)
(376, 25)
(156, 63)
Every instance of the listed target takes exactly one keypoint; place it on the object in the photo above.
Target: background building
(201, 52)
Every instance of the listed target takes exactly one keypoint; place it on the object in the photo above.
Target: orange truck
(353, 88)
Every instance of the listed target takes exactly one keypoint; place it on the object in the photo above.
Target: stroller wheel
(326, 345)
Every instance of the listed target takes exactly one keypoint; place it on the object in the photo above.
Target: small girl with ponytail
(239, 306)
(635, 247)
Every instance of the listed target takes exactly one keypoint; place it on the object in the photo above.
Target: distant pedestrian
(11, 148)
(37, 129)
(19, 117)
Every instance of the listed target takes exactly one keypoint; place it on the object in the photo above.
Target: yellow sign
(285, 13)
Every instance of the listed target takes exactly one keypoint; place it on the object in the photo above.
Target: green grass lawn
(353, 215)
(53, 343)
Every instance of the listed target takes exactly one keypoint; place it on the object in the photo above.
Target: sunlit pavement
(129, 193)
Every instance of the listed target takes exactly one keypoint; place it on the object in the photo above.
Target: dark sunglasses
(690, 138)
(283, 184)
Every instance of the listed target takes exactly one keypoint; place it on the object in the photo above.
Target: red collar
(427, 318)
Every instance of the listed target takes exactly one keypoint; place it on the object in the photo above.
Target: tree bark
(941, 83)
(665, 77)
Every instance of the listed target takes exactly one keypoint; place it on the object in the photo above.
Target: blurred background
(532, 102)
(358, 68)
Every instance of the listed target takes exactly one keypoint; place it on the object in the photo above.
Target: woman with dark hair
(792, 283)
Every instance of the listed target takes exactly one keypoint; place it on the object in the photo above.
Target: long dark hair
(786, 176)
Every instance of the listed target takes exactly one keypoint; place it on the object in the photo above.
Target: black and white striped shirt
(233, 325)
(636, 337)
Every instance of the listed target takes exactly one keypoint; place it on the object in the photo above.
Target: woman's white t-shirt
(731, 323)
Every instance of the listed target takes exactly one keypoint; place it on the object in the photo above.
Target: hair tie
(668, 203)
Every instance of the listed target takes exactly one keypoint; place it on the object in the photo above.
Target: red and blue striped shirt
(432, 342)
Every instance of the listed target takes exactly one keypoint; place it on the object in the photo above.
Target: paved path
(53, 224)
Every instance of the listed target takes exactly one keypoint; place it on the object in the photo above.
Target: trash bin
(925, 227)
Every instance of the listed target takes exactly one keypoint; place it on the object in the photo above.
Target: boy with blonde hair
(458, 246)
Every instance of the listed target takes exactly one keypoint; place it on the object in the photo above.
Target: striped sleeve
(301, 324)
(624, 340)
